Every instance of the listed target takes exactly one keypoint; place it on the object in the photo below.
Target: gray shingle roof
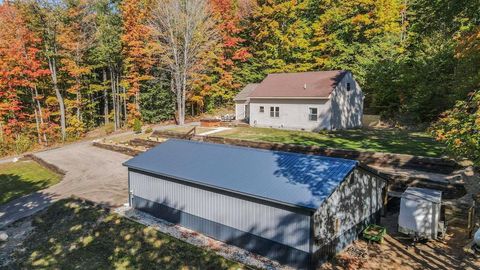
(246, 91)
(292, 179)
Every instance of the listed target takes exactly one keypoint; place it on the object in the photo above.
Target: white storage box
(420, 212)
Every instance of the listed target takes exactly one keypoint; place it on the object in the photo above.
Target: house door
(247, 112)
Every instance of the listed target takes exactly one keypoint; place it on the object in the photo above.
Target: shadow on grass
(76, 234)
(13, 186)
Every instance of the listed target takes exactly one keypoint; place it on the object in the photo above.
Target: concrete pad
(220, 129)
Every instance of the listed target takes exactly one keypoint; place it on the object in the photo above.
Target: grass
(72, 234)
(376, 140)
(126, 138)
(24, 177)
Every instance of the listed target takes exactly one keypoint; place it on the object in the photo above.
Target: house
(307, 101)
(293, 208)
(241, 102)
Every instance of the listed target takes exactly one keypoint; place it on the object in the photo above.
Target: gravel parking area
(91, 173)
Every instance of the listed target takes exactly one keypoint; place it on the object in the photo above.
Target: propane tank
(476, 238)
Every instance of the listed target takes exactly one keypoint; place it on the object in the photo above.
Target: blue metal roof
(287, 178)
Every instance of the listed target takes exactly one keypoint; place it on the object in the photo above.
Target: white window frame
(312, 116)
(261, 109)
(274, 111)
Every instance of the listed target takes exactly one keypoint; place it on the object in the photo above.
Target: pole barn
(293, 208)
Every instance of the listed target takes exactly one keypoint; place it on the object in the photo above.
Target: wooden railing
(190, 133)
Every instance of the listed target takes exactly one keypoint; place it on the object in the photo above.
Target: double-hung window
(313, 114)
(274, 111)
(262, 109)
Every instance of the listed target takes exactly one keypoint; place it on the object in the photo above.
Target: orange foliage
(139, 49)
(20, 68)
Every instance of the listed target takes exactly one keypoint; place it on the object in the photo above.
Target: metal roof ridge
(264, 150)
(200, 183)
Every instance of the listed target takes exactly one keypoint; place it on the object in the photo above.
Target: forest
(70, 66)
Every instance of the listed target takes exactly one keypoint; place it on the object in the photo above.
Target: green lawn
(377, 140)
(24, 177)
(76, 235)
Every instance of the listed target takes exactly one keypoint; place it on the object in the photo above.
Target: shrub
(109, 128)
(23, 144)
(459, 129)
(137, 126)
(149, 130)
(75, 129)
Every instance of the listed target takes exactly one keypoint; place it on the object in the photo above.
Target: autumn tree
(45, 18)
(139, 49)
(20, 72)
(280, 32)
(75, 39)
(459, 128)
(106, 59)
(185, 31)
(219, 84)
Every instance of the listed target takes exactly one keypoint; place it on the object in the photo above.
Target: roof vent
(305, 86)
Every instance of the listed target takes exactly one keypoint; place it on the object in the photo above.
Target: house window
(348, 87)
(262, 109)
(313, 114)
(274, 111)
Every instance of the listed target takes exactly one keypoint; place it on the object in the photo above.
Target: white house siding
(240, 110)
(280, 225)
(347, 106)
(354, 204)
(293, 113)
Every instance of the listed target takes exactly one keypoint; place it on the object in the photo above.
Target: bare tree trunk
(1, 130)
(403, 32)
(119, 98)
(125, 116)
(40, 112)
(185, 30)
(37, 122)
(105, 98)
(53, 71)
(114, 98)
(79, 99)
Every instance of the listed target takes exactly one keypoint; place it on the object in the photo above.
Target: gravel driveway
(91, 173)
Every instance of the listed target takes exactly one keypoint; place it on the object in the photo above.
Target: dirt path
(397, 252)
(91, 173)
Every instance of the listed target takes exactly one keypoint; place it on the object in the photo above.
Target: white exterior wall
(354, 201)
(347, 106)
(293, 113)
(240, 110)
(280, 225)
(419, 217)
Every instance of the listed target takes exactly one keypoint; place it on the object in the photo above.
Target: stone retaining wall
(117, 148)
(45, 164)
(437, 165)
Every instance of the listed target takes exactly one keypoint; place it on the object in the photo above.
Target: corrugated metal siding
(348, 210)
(280, 225)
(259, 245)
(292, 179)
(342, 241)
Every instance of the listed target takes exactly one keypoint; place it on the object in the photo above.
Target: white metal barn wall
(266, 221)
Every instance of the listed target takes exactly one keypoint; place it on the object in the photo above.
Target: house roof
(292, 179)
(246, 91)
(415, 193)
(318, 84)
